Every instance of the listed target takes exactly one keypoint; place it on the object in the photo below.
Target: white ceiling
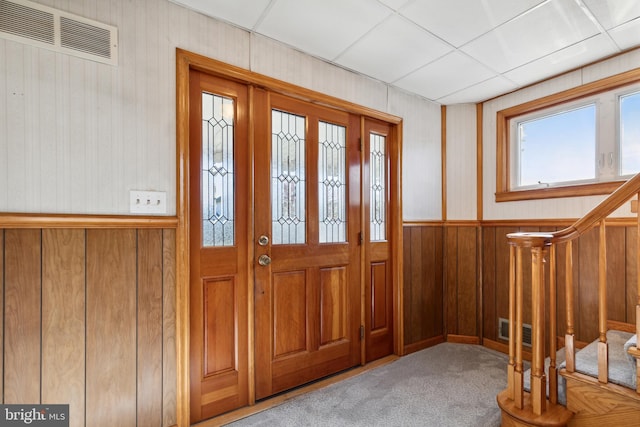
(449, 51)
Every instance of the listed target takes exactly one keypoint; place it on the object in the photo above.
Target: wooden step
(555, 415)
(597, 404)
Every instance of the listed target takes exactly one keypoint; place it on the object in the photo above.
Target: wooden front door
(218, 224)
(307, 252)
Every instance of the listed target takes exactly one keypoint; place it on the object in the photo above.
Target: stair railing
(541, 244)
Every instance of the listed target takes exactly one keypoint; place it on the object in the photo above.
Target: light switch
(147, 202)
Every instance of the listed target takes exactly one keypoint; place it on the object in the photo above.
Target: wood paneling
(150, 260)
(22, 316)
(489, 283)
(621, 279)
(451, 279)
(289, 313)
(63, 320)
(169, 369)
(333, 304)
(219, 296)
(90, 321)
(467, 281)
(631, 273)
(587, 257)
(423, 286)
(379, 297)
(461, 279)
(111, 327)
(616, 274)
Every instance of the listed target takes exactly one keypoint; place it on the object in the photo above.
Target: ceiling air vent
(42, 26)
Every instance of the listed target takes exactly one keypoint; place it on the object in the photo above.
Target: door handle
(264, 260)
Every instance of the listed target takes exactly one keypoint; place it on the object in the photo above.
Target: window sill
(559, 192)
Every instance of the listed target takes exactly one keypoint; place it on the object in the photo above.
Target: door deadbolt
(263, 240)
(264, 260)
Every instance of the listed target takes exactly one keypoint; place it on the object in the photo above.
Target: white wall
(462, 202)
(570, 207)
(76, 136)
(421, 156)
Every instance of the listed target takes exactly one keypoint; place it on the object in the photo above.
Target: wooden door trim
(185, 61)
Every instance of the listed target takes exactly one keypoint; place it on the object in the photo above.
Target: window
(580, 142)
(556, 148)
(629, 133)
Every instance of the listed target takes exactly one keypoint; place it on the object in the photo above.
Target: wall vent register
(503, 331)
(37, 25)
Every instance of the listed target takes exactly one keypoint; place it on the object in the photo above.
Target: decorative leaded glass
(332, 182)
(217, 171)
(288, 198)
(378, 207)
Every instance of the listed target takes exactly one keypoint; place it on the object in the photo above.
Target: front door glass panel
(377, 156)
(288, 178)
(217, 171)
(332, 188)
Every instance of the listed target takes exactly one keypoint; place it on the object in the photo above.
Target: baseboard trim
(462, 339)
(421, 345)
(503, 348)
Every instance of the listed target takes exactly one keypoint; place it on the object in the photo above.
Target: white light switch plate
(147, 202)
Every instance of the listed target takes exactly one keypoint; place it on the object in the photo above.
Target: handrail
(540, 244)
(605, 208)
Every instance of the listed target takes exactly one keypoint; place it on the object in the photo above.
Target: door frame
(185, 61)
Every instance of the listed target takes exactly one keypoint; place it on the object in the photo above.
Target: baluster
(569, 348)
(603, 364)
(538, 380)
(512, 319)
(553, 376)
(518, 377)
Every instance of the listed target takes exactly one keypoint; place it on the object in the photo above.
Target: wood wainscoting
(423, 292)
(88, 318)
(621, 277)
(456, 280)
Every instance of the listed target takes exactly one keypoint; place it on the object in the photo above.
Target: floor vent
(503, 331)
(37, 25)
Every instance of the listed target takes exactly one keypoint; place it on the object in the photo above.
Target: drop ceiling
(448, 51)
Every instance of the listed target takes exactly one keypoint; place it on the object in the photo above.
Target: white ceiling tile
(459, 21)
(627, 35)
(395, 4)
(537, 33)
(322, 28)
(480, 92)
(446, 75)
(566, 59)
(611, 13)
(243, 13)
(393, 49)
(434, 48)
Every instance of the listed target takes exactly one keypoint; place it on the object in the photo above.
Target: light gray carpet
(445, 385)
